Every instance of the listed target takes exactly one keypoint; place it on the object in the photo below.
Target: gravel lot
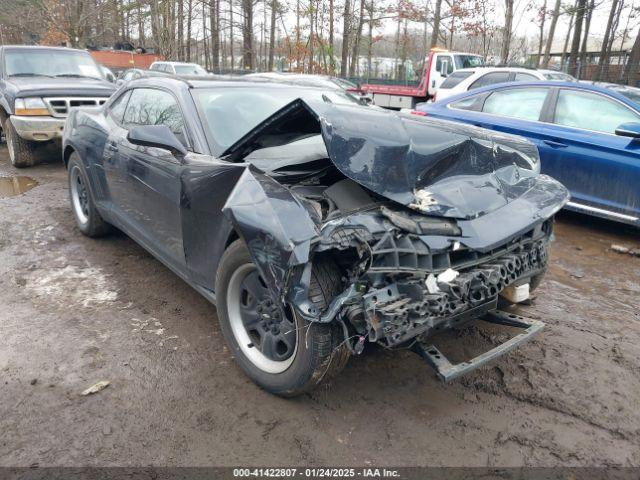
(76, 311)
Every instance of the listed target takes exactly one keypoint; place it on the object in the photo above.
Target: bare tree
(436, 23)
(272, 34)
(577, 31)
(632, 70)
(506, 33)
(552, 30)
(604, 52)
(248, 53)
(542, 16)
(346, 15)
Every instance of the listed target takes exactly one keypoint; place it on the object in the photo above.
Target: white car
(469, 78)
(178, 68)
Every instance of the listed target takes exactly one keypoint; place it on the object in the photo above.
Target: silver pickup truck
(38, 87)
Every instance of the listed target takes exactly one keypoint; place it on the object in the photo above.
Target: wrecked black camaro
(314, 223)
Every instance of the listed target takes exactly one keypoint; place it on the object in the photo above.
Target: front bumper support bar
(447, 371)
(38, 129)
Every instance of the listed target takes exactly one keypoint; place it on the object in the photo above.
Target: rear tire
(22, 153)
(88, 219)
(320, 353)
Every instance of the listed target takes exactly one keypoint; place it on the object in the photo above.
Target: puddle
(12, 186)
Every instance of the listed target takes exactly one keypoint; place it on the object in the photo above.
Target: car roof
(41, 47)
(217, 81)
(176, 63)
(555, 72)
(553, 83)
(486, 69)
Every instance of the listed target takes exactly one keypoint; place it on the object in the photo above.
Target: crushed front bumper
(38, 129)
(447, 371)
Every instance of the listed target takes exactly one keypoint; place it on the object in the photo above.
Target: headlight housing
(30, 106)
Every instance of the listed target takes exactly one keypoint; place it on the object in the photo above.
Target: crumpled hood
(433, 166)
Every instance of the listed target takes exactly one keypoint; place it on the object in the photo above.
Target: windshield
(468, 61)
(229, 113)
(50, 63)
(190, 70)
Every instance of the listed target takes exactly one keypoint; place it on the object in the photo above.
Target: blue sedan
(588, 137)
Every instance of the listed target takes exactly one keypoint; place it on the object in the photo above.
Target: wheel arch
(66, 154)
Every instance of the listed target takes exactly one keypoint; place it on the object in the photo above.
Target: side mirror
(159, 136)
(631, 130)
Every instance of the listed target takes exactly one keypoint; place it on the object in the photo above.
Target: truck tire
(22, 153)
(88, 219)
(288, 368)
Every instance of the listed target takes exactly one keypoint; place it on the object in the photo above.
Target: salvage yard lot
(77, 311)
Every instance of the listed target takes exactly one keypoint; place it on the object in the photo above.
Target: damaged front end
(428, 222)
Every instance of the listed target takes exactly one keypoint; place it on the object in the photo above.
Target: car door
(152, 175)
(601, 169)
(443, 68)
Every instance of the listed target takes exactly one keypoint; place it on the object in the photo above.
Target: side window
(444, 58)
(149, 106)
(455, 78)
(490, 79)
(116, 110)
(522, 103)
(470, 103)
(128, 76)
(524, 77)
(576, 109)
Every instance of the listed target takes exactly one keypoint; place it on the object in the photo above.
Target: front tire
(22, 153)
(87, 217)
(303, 354)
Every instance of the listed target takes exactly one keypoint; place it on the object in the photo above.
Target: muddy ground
(75, 311)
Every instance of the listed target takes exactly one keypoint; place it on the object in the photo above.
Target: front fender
(274, 224)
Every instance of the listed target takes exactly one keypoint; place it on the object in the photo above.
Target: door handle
(554, 144)
(112, 147)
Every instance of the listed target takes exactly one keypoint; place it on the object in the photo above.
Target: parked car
(314, 223)
(179, 68)
(308, 80)
(38, 87)
(588, 137)
(471, 78)
(136, 73)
